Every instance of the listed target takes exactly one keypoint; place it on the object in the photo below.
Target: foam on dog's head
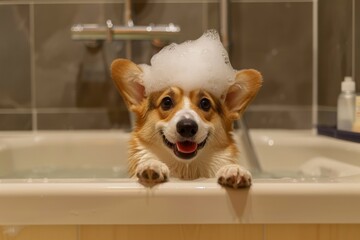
(199, 64)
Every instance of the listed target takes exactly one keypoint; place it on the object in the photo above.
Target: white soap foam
(199, 64)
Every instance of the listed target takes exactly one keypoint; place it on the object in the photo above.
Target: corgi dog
(185, 134)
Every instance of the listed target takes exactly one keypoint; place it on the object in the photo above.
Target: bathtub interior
(85, 155)
(103, 155)
(306, 156)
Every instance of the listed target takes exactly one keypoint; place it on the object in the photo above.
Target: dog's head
(182, 122)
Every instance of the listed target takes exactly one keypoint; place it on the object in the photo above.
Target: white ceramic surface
(80, 178)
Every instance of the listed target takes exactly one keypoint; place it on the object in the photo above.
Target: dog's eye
(166, 103)
(205, 104)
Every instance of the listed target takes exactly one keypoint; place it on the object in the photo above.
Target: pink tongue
(186, 147)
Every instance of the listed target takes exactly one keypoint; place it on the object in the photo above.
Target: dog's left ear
(127, 78)
(242, 92)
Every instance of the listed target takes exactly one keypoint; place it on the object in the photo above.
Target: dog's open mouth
(184, 149)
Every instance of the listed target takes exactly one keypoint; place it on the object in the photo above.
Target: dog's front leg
(234, 176)
(150, 170)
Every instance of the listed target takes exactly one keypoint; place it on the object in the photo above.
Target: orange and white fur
(186, 135)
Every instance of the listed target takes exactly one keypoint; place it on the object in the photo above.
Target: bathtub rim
(128, 202)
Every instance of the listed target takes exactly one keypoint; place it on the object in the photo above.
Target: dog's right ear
(242, 92)
(127, 77)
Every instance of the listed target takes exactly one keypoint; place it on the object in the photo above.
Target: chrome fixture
(108, 31)
(95, 34)
(248, 148)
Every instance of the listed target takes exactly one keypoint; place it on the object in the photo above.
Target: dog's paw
(234, 176)
(152, 172)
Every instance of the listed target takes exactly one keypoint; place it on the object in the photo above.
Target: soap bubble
(197, 64)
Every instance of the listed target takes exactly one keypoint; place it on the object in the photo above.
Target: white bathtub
(80, 178)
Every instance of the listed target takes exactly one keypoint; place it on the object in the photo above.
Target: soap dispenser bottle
(346, 105)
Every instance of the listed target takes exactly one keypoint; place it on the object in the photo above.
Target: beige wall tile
(45, 233)
(10, 122)
(272, 42)
(335, 48)
(15, 56)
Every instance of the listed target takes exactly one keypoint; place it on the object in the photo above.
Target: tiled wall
(15, 70)
(276, 38)
(49, 82)
(339, 55)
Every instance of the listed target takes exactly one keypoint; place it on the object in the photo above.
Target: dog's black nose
(187, 128)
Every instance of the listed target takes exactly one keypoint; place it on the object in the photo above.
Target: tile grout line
(353, 42)
(255, 108)
(272, 1)
(315, 66)
(57, 110)
(150, 1)
(32, 67)
(204, 10)
(99, 1)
